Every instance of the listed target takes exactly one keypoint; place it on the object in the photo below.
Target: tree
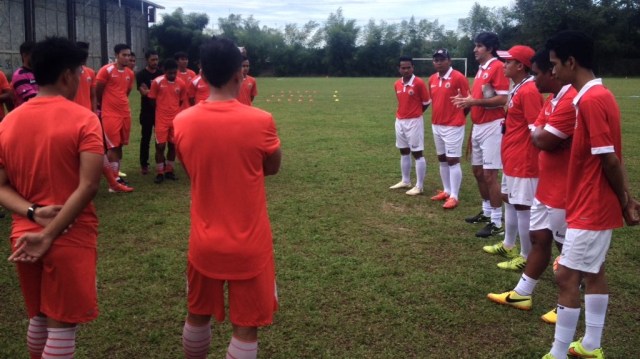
(179, 32)
(340, 39)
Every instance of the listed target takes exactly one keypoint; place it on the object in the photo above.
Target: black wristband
(32, 211)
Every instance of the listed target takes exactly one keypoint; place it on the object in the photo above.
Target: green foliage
(179, 32)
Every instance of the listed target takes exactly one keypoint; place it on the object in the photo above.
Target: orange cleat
(441, 196)
(451, 203)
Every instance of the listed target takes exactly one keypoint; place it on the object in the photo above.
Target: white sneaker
(400, 185)
(414, 191)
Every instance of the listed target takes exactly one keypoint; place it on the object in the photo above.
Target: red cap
(521, 53)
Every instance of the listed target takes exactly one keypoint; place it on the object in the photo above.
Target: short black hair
(120, 47)
(220, 60)
(133, 54)
(541, 59)
(571, 43)
(170, 64)
(405, 58)
(52, 56)
(150, 53)
(180, 54)
(488, 39)
(26, 47)
(84, 46)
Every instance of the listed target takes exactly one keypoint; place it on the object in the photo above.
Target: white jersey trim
(602, 150)
(554, 131)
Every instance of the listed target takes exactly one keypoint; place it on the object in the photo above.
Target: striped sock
(196, 340)
(239, 349)
(61, 343)
(36, 336)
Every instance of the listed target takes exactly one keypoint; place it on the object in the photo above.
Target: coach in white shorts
(413, 100)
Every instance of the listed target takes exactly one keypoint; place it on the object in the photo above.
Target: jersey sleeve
(463, 85)
(102, 75)
(595, 118)
(91, 135)
(254, 89)
(498, 81)
(424, 93)
(271, 142)
(192, 88)
(563, 119)
(153, 91)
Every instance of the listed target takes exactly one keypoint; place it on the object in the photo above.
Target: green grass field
(362, 271)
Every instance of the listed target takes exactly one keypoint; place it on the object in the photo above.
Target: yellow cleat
(513, 299)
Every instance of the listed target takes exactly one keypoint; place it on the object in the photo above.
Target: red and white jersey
(411, 97)
(558, 117)
(489, 82)
(519, 155)
(591, 202)
(198, 89)
(441, 90)
(117, 85)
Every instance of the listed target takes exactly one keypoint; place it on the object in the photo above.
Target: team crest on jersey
(411, 92)
(485, 76)
(447, 85)
(128, 78)
(249, 85)
(177, 91)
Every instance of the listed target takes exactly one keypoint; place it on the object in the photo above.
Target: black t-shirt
(145, 77)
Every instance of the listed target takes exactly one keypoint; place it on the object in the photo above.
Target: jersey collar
(585, 88)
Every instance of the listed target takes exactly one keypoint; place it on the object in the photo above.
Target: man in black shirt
(147, 108)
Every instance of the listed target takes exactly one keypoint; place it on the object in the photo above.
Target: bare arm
(468, 101)
(32, 246)
(271, 164)
(616, 175)
(99, 93)
(546, 140)
(94, 100)
(14, 202)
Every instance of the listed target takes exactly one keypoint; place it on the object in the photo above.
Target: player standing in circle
(249, 89)
(413, 100)
(23, 82)
(488, 96)
(447, 125)
(132, 61)
(197, 90)
(114, 83)
(519, 157)
(184, 73)
(50, 154)
(598, 197)
(227, 149)
(168, 93)
(147, 107)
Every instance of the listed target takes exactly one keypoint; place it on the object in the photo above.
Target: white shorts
(520, 190)
(545, 217)
(410, 134)
(486, 139)
(448, 140)
(585, 250)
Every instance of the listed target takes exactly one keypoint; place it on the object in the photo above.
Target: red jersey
(489, 82)
(591, 202)
(519, 155)
(222, 146)
(248, 90)
(87, 81)
(169, 97)
(442, 89)
(186, 77)
(40, 143)
(198, 89)
(4, 85)
(411, 97)
(118, 84)
(558, 116)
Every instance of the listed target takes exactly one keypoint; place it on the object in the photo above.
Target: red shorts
(62, 285)
(252, 302)
(116, 130)
(164, 132)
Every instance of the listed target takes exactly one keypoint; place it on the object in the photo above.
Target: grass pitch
(363, 272)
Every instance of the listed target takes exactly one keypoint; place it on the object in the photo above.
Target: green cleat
(500, 250)
(516, 264)
(576, 350)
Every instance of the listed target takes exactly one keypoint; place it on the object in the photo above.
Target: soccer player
(249, 88)
(6, 95)
(114, 83)
(488, 96)
(168, 93)
(227, 149)
(519, 157)
(132, 61)
(48, 185)
(447, 125)
(413, 100)
(552, 135)
(147, 107)
(23, 82)
(598, 197)
(197, 90)
(86, 97)
(184, 73)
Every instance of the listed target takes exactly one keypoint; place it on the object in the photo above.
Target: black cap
(442, 52)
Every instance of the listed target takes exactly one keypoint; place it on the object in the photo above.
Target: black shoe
(478, 218)
(170, 176)
(122, 181)
(159, 178)
(490, 230)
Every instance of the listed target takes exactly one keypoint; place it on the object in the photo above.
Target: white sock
(455, 178)
(595, 308)
(405, 168)
(170, 164)
(421, 171)
(526, 285)
(510, 225)
(523, 232)
(196, 340)
(565, 330)
(486, 207)
(496, 216)
(61, 343)
(37, 336)
(445, 177)
(239, 349)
